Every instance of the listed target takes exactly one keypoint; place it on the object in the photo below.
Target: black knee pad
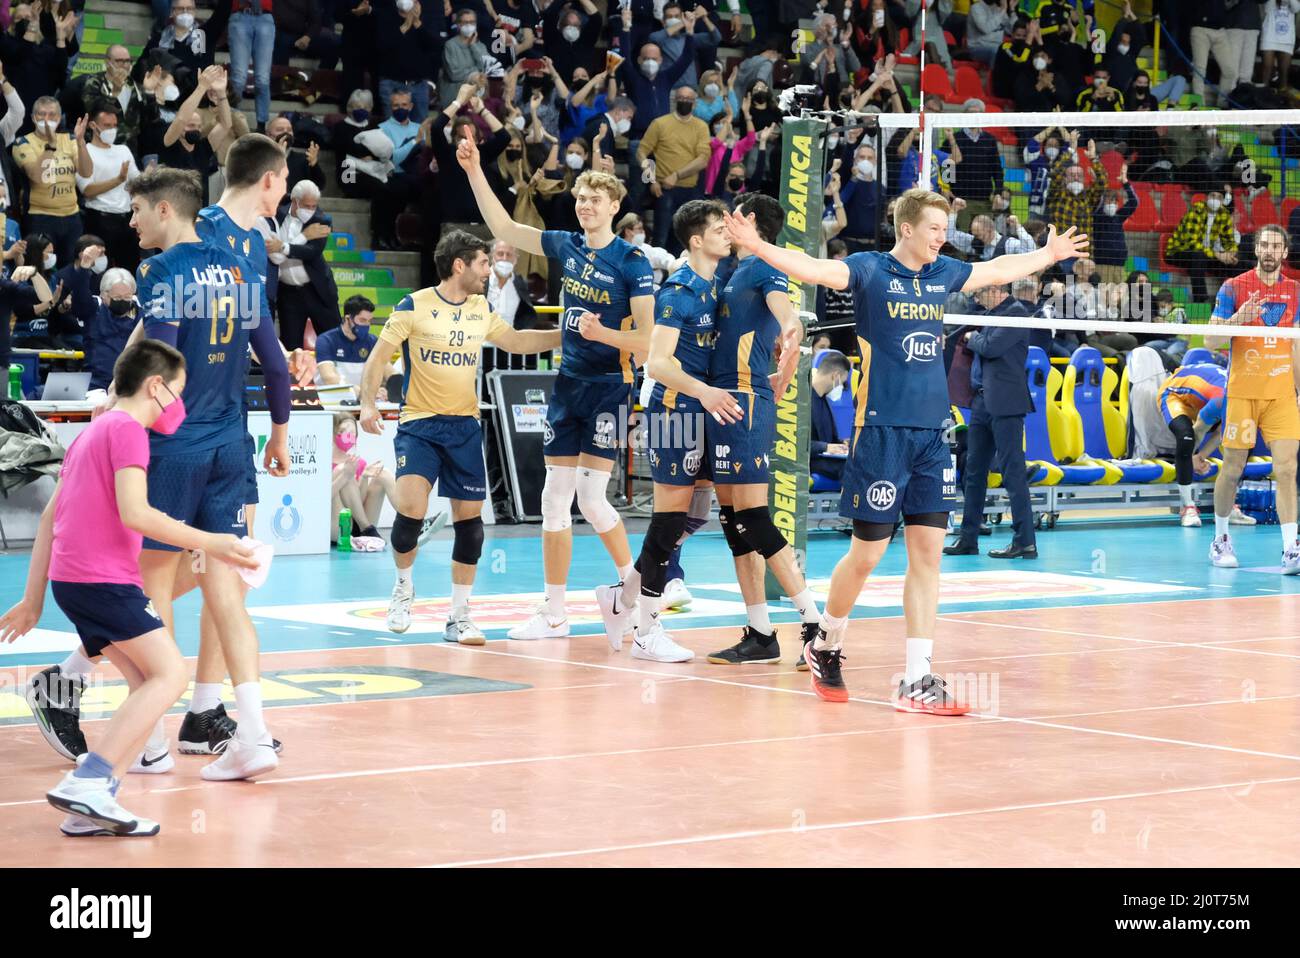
(935, 520)
(739, 547)
(405, 534)
(873, 531)
(661, 536)
(757, 528)
(468, 544)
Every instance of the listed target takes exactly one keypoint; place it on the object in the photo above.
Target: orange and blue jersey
(1190, 389)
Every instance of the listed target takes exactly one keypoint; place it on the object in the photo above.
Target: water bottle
(16, 382)
(345, 530)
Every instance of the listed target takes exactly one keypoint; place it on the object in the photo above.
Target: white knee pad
(557, 497)
(701, 504)
(592, 502)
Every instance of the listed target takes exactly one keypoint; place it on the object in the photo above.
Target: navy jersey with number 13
(687, 303)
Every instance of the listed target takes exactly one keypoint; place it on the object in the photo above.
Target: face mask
(1122, 48)
(1227, 199)
(1110, 209)
(999, 203)
(734, 183)
(304, 215)
(571, 33)
(638, 239)
(1213, 204)
(760, 98)
(1211, 131)
(361, 115)
(468, 29)
(1098, 82)
(1040, 63)
(573, 161)
(405, 5)
(518, 122)
(345, 441)
(192, 137)
(47, 127)
(1076, 187)
(711, 90)
(184, 20)
(514, 156)
(171, 92)
(865, 169)
(1052, 152)
(1162, 311)
(173, 414)
(650, 68)
(109, 135)
(672, 23)
(878, 18)
(974, 134)
(401, 114)
(622, 126)
(684, 107)
(100, 264)
(121, 307)
(832, 142)
(50, 261)
(503, 267)
(1142, 90)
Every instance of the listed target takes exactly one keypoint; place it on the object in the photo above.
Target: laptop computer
(66, 387)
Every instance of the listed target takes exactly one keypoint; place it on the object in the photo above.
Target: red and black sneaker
(929, 694)
(824, 664)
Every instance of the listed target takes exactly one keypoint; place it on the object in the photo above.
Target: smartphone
(149, 159)
(532, 63)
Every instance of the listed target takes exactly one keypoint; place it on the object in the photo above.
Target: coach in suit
(832, 371)
(306, 287)
(997, 425)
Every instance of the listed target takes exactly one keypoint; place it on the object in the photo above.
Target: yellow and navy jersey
(687, 302)
(205, 292)
(747, 330)
(898, 314)
(602, 281)
(441, 342)
(1195, 385)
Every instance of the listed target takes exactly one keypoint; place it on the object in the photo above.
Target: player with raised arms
(900, 463)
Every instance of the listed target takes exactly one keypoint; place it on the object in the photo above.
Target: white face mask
(1052, 152)
(50, 261)
(974, 134)
(1040, 63)
(622, 126)
(1110, 209)
(1122, 49)
(184, 20)
(1211, 131)
(171, 92)
(47, 127)
(503, 267)
(109, 135)
(1076, 187)
(999, 203)
(518, 122)
(638, 239)
(571, 33)
(304, 215)
(573, 161)
(404, 6)
(100, 264)
(1099, 82)
(650, 68)
(468, 29)
(832, 142)
(711, 90)
(672, 23)
(1214, 204)
(835, 394)
(865, 169)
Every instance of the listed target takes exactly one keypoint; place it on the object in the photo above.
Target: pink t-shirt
(90, 542)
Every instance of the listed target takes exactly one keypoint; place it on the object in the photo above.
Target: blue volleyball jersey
(747, 330)
(215, 226)
(204, 291)
(602, 281)
(687, 302)
(898, 313)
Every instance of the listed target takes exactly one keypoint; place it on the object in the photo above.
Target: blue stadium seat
(1198, 355)
(1084, 389)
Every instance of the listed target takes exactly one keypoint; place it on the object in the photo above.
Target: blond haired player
(608, 300)
(1263, 376)
(440, 332)
(900, 464)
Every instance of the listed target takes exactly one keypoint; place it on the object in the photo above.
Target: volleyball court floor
(1134, 707)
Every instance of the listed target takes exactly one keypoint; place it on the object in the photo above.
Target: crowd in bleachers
(681, 99)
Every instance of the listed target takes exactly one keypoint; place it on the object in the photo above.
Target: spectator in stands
(934, 38)
(678, 144)
(979, 174)
(358, 487)
(184, 145)
(678, 24)
(115, 85)
(1171, 348)
(1243, 22)
(764, 54)
(1011, 62)
(1277, 43)
(875, 34)
(458, 205)
(306, 283)
(299, 32)
(984, 241)
(1070, 202)
(507, 291)
(615, 121)
(358, 115)
(829, 62)
(1101, 97)
(408, 55)
(1204, 243)
(390, 168)
(632, 228)
(37, 325)
(184, 38)
(77, 280)
(304, 165)
(577, 116)
(542, 95)
(108, 208)
(341, 352)
(1209, 33)
(251, 34)
(1043, 90)
(861, 197)
(713, 98)
(835, 306)
(52, 161)
(114, 317)
(515, 36)
(11, 234)
(827, 450)
(986, 24)
(570, 37)
(462, 55)
(1108, 242)
(36, 63)
(1001, 205)
(357, 50)
(15, 116)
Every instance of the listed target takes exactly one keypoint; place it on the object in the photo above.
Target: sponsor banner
(529, 417)
(293, 513)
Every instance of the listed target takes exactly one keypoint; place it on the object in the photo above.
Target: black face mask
(760, 98)
(514, 155)
(1141, 90)
(684, 107)
(120, 307)
(193, 137)
(734, 183)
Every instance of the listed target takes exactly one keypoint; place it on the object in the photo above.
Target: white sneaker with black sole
(461, 630)
(658, 646)
(399, 607)
(92, 798)
(540, 626)
(239, 760)
(619, 617)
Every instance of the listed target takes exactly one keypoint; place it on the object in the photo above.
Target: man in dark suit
(616, 121)
(306, 289)
(997, 425)
(831, 372)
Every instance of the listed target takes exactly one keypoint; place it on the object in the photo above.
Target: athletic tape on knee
(468, 544)
(757, 528)
(592, 502)
(739, 547)
(656, 549)
(406, 533)
(557, 497)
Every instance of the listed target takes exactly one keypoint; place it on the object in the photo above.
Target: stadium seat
(968, 83)
(1263, 212)
(1045, 422)
(934, 80)
(1145, 218)
(1083, 413)
(904, 39)
(1173, 205)
(1165, 265)
(1112, 161)
(1198, 355)
(1288, 206)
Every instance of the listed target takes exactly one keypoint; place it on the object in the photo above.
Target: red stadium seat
(969, 83)
(904, 39)
(1113, 161)
(1145, 219)
(1165, 265)
(934, 80)
(1262, 210)
(1241, 212)
(1288, 206)
(1173, 205)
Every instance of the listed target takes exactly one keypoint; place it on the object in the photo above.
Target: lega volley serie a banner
(803, 162)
